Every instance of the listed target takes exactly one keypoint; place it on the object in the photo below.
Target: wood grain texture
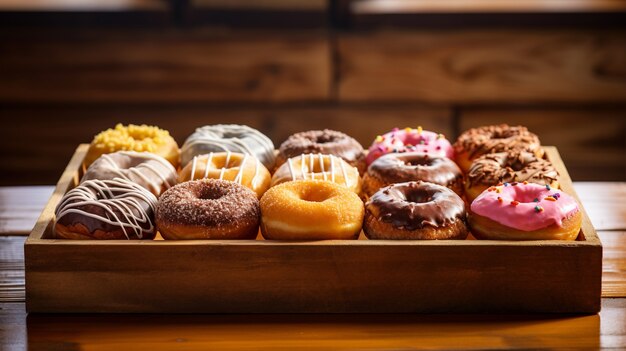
(164, 66)
(309, 277)
(474, 66)
(592, 141)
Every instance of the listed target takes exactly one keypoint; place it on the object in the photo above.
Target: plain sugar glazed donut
(106, 209)
(138, 138)
(311, 210)
(410, 140)
(208, 209)
(229, 137)
(411, 166)
(240, 168)
(415, 211)
(525, 211)
(476, 142)
(504, 167)
(151, 171)
(321, 167)
(328, 142)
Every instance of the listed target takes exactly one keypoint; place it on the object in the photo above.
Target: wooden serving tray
(333, 276)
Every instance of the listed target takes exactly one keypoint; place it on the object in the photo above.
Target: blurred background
(71, 68)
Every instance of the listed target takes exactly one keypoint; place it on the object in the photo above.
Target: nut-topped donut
(410, 140)
(151, 171)
(328, 142)
(106, 209)
(244, 169)
(140, 138)
(476, 142)
(229, 137)
(208, 209)
(508, 167)
(321, 167)
(415, 211)
(410, 166)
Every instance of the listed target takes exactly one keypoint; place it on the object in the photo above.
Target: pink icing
(527, 215)
(409, 139)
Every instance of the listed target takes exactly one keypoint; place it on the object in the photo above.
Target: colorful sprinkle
(438, 148)
(514, 183)
(440, 136)
(514, 203)
(499, 199)
(556, 195)
(419, 130)
(498, 190)
(408, 129)
(506, 184)
(538, 209)
(549, 198)
(395, 129)
(548, 187)
(535, 200)
(379, 138)
(525, 183)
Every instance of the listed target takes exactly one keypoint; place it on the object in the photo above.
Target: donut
(410, 140)
(476, 142)
(415, 211)
(151, 171)
(508, 167)
(327, 142)
(133, 138)
(244, 169)
(208, 209)
(524, 211)
(411, 166)
(310, 210)
(229, 137)
(106, 209)
(318, 166)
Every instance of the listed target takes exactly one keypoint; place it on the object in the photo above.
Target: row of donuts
(421, 210)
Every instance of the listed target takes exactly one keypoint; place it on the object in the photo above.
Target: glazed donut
(328, 142)
(133, 138)
(410, 166)
(106, 209)
(476, 142)
(524, 211)
(310, 210)
(321, 167)
(229, 137)
(410, 140)
(504, 167)
(415, 211)
(240, 168)
(151, 171)
(208, 209)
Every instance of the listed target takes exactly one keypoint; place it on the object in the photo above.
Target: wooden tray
(333, 276)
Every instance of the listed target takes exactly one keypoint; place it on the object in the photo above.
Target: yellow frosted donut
(134, 138)
(311, 210)
(246, 170)
(320, 167)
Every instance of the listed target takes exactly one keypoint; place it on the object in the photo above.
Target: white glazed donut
(229, 137)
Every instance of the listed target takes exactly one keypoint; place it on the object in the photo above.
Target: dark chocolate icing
(415, 205)
(325, 141)
(498, 138)
(410, 166)
(517, 166)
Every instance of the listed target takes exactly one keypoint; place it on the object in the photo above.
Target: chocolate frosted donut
(503, 167)
(476, 142)
(208, 209)
(106, 209)
(415, 211)
(325, 141)
(411, 166)
(151, 171)
(229, 137)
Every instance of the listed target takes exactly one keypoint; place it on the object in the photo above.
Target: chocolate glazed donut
(412, 166)
(415, 211)
(325, 141)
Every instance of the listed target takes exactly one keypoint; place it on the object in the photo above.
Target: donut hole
(314, 195)
(527, 197)
(419, 196)
(210, 194)
(325, 139)
(422, 161)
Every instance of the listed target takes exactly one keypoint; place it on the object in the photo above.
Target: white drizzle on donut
(238, 178)
(118, 195)
(304, 171)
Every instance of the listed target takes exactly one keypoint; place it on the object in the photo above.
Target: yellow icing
(131, 138)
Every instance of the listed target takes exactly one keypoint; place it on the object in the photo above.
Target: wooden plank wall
(59, 86)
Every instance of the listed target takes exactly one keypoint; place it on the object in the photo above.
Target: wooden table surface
(20, 206)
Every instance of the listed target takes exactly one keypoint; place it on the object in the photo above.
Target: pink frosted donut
(525, 211)
(409, 139)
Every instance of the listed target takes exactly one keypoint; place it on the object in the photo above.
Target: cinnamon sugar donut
(328, 142)
(503, 167)
(476, 142)
(208, 209)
